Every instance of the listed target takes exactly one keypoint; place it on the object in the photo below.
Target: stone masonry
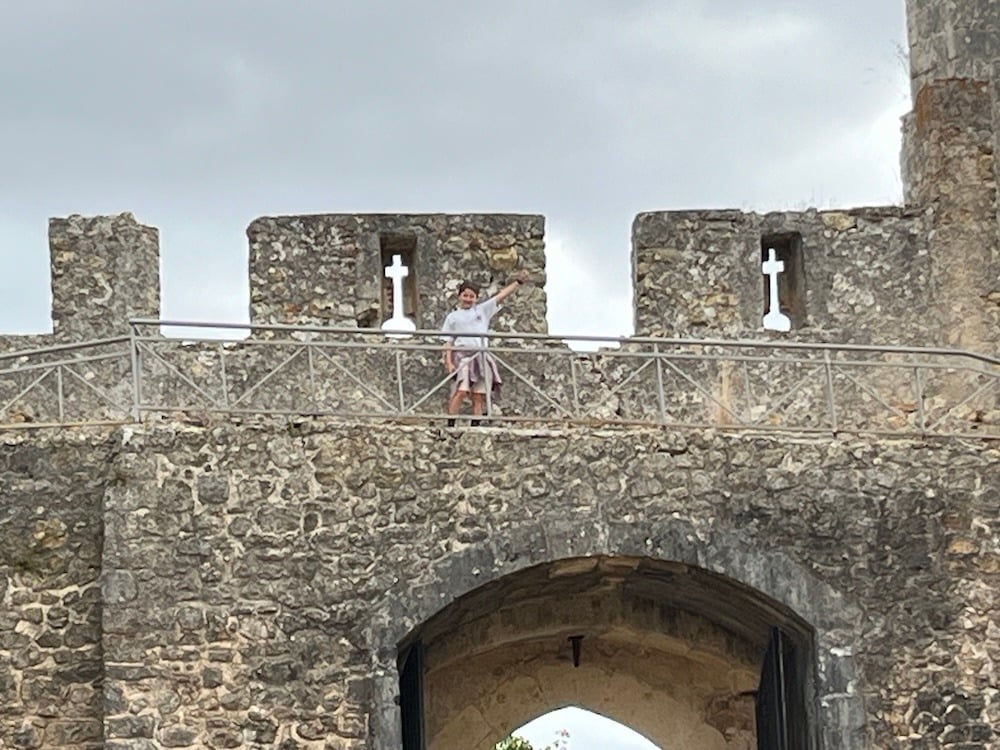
(253, 576)
(342, 251)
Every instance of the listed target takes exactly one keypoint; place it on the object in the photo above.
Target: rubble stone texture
(233, 582)
(326, 270)
(255, 580)
(105, 269)
(697, 273)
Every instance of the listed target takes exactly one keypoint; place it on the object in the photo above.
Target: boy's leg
(478, 408)
(455, 402)
(478, 403)
(461, 376)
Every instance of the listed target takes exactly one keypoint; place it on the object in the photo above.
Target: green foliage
(514, 742)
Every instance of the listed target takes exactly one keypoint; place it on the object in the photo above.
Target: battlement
(867, 275)
(329, 269)
(324, 270)
(858, 276)
(924, 274)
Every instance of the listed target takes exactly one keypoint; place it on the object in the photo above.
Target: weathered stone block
(179, 736)
(126, 727)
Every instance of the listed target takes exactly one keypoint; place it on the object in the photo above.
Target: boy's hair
(468, 285)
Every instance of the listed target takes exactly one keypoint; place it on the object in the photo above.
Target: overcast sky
(199, 116)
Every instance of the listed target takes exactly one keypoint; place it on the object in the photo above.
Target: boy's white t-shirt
(475, 319)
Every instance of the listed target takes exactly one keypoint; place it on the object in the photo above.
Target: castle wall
(51, 534)
(866, 273)
(258, 578)
(327, 269)
(105, 269)
(229, 584)
(950, 166)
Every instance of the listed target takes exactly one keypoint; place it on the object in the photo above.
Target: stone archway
(774, 588)
(646, 655)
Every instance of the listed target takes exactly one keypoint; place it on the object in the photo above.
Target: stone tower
(948, 159)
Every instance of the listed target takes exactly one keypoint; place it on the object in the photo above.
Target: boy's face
(467, 298)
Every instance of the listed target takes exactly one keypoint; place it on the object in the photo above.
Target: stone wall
(327, 269)
(952, 39)
(258, 578)
(105, 269)
(950, 166)
(51, 539)
(866, 274)
(950, 140)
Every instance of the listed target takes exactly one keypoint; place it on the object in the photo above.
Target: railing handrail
(619, 341)
(236, 377)
(53, 348)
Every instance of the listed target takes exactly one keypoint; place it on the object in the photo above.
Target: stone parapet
(329, 269)
(105, 270)
(863, 274)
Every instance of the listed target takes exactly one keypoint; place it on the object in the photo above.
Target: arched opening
(672, 650)
(577, 728)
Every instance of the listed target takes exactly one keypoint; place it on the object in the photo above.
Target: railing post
(487, 370)
(918, 387)
(830, 402)
(136, 362)
(224, 376)
(60, 402)
(312, 376)
(659, 385)
(577, 411)
(399, 382)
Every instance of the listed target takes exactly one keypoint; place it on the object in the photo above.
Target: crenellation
(327, 269)
(698, 274)
(105, 270)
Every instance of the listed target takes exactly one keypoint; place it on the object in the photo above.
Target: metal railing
(358, 374)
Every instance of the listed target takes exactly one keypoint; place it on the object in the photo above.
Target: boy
(465, 356)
